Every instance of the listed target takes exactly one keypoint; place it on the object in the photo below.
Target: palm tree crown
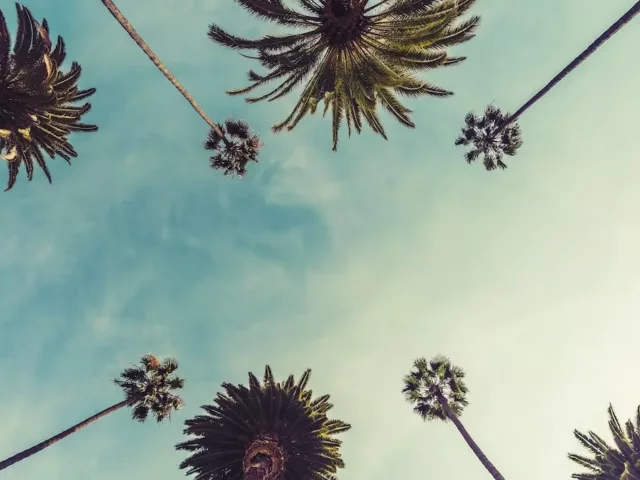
(490, 138)
(36, 99)
(621, 462)
(266, 431)
(353, 55)
(429, 379)
(242, 146)
(149, 387)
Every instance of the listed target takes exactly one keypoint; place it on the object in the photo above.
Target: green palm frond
(353, 55)
(430, 379)
(605, 462)
(37, 111)
(242, 146)
(277, 428)
(480, 133)
(150, 386)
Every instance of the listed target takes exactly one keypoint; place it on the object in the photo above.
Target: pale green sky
(352, 263)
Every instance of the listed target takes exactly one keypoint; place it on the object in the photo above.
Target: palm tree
(437, 391)
(621, 462)
(236, 150)
(229, 159)
(267, 431)
(353, 55)
(37, 111)
(148, 388)
(497, 133)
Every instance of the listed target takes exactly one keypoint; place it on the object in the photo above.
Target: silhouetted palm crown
(242, 147)
(267, 431)
(353, 55)
(607, 463)
(36, 98)
(150, 388)
(427, 379)
(488, 139)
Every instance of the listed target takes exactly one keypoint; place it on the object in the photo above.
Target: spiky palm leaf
(150, 387)
(241, 147)
(266, 431)
(352, 54)
(37, 111)
(427, 379)
(490, 138)
(621, 462)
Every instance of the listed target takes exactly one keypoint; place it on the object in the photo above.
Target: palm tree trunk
(56, 438)
(117, 14)
(621, 22)
(473, 445)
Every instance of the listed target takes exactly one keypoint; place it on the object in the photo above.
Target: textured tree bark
(259, 469)
(56, 438)
(122, 20)
(621, 22)
(472, 444)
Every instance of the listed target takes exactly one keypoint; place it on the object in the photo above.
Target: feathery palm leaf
(266, 431)
(37, 111)
(605, 462)
(150, 387)
(242, 146)
(353, 55)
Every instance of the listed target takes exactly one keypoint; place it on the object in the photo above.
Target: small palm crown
(268, 431)
(431, 382)
(490, 137)
(607, 463)
(239, 147)
(36, 99)
(150, 387)
(352, 54)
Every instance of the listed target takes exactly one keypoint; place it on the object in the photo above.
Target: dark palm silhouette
(37, 111)
(148, 388)
(244, 148)
(238, 152)
(621, 462)
(267, 431)
(352, 55)
(497, 134)
(437, 391)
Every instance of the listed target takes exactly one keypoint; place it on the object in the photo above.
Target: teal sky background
(351, 263)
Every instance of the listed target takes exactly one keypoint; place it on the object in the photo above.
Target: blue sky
(352, 263)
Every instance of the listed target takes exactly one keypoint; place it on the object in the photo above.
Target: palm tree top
(235, 149)
(430, 379)
(277, 428)
(490, 137)
(37, 111)
(150, 386)
(621, 462)
(353, 55)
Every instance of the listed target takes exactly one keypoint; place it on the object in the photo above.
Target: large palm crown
(150, 388)
(36, 98)
(353, 55)
(621, 462)
(269, 430)
(430, 383)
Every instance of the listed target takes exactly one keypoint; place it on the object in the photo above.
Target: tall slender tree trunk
(122, 20)
(56, 438)
(473, 445)
(621, 22)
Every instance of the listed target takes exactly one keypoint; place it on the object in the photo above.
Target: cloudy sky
(352, 263)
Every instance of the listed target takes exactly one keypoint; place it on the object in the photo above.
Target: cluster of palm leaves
(353, 55)
(235, 146)
(37, 111)
(266, 431)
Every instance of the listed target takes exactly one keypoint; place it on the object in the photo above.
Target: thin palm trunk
(621, 22)
(473, 445)
(122, 20)
(56, 438)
